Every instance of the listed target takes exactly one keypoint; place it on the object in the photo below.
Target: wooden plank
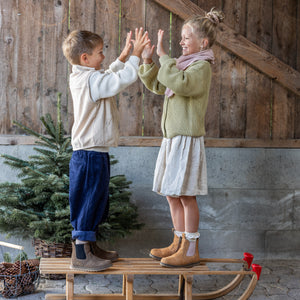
(233, 97)
(122, 265)
(130, 100)
(259, 102)
(137, 141)
(153, 104)
(82, 15)
(207, 5)
(298, 34)
(240, 46)
(29, 62)
(233, 80)
(113, 297)
(175, 36)
(8, 64)
(283, 123)
(284, 31)
(259, 87)
(297, 118)
(107, 26)
(212, 120)
(283, 46)
(55, 66)
(259, 23)
(235, 14)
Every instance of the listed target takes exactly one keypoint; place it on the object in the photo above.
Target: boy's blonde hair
(206, 27)
(79, 42)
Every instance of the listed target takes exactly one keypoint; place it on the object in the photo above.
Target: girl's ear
(205, 43)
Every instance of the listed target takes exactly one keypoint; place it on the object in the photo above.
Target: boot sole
(184, 266)
(155, 257)
(89, 269)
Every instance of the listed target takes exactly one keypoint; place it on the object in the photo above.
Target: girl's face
(189, 42)
(96, 58)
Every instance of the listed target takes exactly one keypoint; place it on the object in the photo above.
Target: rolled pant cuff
(84, 235)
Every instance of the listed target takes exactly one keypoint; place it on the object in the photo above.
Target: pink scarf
(185, 60)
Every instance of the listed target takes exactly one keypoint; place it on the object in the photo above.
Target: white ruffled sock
(192, 238)
(178, 233)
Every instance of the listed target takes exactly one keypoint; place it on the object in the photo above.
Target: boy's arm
(109, 84)
(115, 66)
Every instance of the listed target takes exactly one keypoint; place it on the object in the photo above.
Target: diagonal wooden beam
(257, 57)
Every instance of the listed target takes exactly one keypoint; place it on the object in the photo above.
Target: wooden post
(129, 287)
(70, 286)
(188, 287)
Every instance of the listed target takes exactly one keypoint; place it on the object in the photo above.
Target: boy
(95, 129)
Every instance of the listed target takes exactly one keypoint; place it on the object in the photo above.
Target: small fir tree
(38, 206)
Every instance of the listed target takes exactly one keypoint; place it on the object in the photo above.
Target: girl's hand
(160, 49)
(148, 53)
(126, 51)
(141, 40)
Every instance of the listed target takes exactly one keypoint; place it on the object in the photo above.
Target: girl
(180, 172)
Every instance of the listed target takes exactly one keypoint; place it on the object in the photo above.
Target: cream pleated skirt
(181, 167)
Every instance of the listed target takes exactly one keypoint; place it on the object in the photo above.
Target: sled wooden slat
(129, 267)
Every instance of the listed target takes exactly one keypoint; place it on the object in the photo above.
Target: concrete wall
(253, 202)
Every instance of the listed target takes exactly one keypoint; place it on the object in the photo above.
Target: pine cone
(26, 279)
(7, 265)
(20, 267)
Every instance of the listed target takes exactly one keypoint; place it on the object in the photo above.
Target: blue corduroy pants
(88, 193)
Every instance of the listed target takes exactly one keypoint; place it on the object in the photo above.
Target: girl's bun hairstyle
(215, 16)
(206, 27)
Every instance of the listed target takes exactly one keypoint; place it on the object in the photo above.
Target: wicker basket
(19, 278)
(52, 250)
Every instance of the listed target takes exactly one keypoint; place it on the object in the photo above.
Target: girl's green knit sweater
(184, 112)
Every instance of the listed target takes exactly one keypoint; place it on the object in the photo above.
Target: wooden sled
(128, 267)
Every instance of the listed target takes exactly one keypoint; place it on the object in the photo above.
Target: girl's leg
(188, 254)
(191, 213)
(177, 213)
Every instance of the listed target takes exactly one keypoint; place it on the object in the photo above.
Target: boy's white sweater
(96, 119)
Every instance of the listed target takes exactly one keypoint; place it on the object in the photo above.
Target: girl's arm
(193, 81)
(148, 72)
(148, 75)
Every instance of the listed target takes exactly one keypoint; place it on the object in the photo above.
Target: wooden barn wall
(244, 103)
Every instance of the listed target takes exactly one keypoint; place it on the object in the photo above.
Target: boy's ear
(84, 59)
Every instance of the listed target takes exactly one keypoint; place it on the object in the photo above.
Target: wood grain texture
(243, 48)
(82, 15)
(8, 65)
(257, 58)
(212, 120)
(130, 100)
(153, 104)
(259, 91)
(284, 47)
(54, 67)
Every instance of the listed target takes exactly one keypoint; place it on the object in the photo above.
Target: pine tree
(38, 206)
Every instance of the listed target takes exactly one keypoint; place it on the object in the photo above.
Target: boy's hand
(126, 51)
(160, 49)
(148, 53)
(141, 40)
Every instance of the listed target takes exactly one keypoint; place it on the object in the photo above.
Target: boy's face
(95, 59)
